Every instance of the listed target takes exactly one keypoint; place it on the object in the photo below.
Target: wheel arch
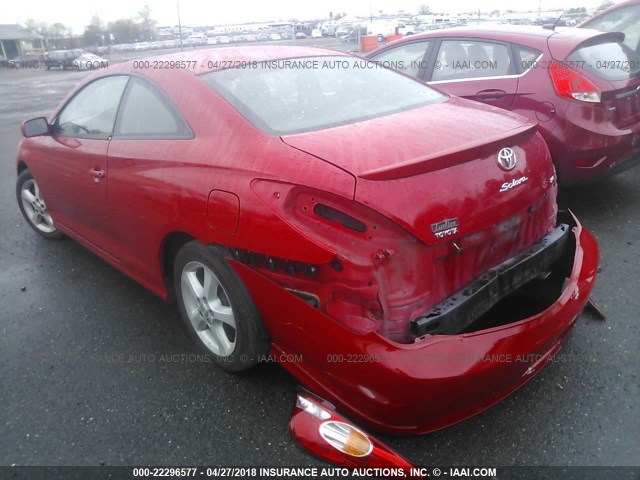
(170, 246)
(22, 166)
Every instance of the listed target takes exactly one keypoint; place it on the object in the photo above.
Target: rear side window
(146, 113)
(461, 59)
(526, 57)
(407, 58)
(609, 61)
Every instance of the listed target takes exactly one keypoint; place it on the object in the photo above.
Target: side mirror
(35, 127)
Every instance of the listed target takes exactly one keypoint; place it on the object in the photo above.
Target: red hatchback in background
(291, 203)
(581, 86)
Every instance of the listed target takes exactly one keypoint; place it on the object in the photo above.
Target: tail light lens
(571, 84)
(327, 434)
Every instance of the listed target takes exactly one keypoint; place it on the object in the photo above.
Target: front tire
(33, 207)
(217, 309)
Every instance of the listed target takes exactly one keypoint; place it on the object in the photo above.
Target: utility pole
(179, 25)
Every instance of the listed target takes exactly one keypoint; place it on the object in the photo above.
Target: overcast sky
(77, 14)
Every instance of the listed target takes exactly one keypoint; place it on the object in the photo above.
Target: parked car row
(74, 60)
(249, 38)
(196, 40)
(350, 34)
(136, 47)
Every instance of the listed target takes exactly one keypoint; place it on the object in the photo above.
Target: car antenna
(552, 26)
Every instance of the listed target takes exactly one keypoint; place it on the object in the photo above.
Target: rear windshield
(609, 61)
(303, 94)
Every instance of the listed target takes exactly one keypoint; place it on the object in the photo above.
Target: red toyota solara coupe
(402, 245)
(581, 86)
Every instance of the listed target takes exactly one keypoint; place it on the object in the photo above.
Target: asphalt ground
(96, 370)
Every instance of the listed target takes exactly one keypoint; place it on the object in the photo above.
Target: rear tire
(217, 308)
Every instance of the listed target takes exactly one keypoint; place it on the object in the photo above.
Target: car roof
(509, 32)
(613, 7)
(209, 60)
(487, 31)
(513, 33)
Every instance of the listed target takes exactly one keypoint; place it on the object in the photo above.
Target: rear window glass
(609, 61)
(624, 19)
(310, 93)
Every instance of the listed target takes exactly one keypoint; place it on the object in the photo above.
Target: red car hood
(439, 162)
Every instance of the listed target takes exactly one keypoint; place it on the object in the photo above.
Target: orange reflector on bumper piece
(327, 434)
(346, 438)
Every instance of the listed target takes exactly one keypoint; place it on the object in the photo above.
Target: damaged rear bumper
(437, 380)
(461, 310)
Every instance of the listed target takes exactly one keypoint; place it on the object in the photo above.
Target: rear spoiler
(442, 159)
(560, 49)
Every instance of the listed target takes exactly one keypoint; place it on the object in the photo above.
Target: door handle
(98, 174)
(491, 94)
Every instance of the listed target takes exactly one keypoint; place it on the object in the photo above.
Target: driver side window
(91, 113)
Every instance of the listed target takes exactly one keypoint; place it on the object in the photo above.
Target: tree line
(124, 30)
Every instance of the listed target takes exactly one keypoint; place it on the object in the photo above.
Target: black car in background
(64, 59)
(352, 36)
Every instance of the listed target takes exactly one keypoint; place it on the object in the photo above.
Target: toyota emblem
(507, 159)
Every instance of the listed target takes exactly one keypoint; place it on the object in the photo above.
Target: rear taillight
(327, 434)
(571, 84)
(376, 264)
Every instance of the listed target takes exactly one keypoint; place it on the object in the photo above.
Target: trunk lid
(395, 141)
(622, 102)
(419, 177)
